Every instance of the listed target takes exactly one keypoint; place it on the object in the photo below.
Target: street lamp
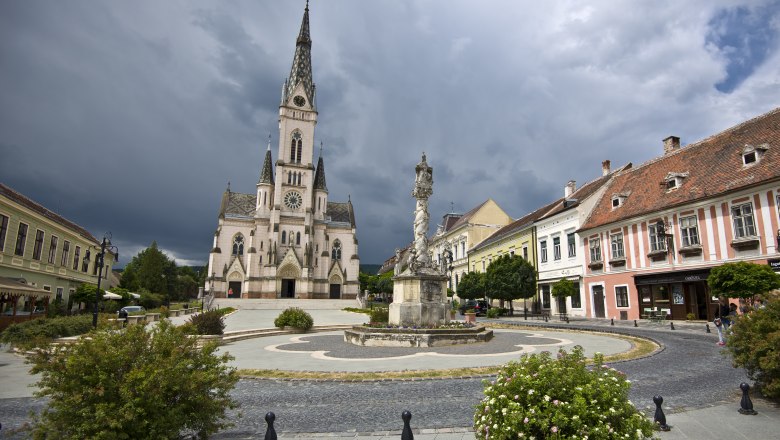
(106, 244)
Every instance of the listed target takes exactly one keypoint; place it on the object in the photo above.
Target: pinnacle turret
(267, 173)
(319, 174)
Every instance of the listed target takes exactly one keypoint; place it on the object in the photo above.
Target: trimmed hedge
(38, 331)
(208, 323)
(380, 315)
(296, 318)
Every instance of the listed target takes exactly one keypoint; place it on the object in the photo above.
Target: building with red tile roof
(659, 228)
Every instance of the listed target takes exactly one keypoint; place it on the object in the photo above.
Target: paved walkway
(699, 387)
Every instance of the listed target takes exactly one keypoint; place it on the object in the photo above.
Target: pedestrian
(722, 321)
(744, 307)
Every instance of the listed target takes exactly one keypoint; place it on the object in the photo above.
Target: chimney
(569, 190)
(671, 144)
(605, 167)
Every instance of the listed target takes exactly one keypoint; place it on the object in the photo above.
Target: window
(657, 236)
(543, 250)
(689, 231)
(545, 288)
(38, 244)
(749, 157)
(572, 243)
(85, 262)
(96, 265)
(284, 237)
(615, 202)
(21, 240)
(76, 256)
(525, 252)
(595, 249)
(671, 184)
(53, 249)
(576, 302)
(621, 296)
(298, 238)
(65, 253)
(3, 231)
(617, 246)
(295, 143)
(463, 249)
(238, 245)
(336, 251)
(743, 221)
(557, 248)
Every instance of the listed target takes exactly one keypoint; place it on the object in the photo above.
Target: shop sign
(672, 277)
(774, 264)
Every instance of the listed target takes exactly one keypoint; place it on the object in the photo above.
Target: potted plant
(454, 308)
(470, 315)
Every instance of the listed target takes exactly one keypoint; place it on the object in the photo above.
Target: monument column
(419, 292)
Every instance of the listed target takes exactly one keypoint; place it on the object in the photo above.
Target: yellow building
(458, 233)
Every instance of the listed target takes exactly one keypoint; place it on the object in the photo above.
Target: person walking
(722, 321)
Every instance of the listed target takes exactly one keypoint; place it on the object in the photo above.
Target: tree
(85, 293)
(742, 280)
(511, 277)
(472, 285)
(136, 383)
(563, 289)
(151, 270)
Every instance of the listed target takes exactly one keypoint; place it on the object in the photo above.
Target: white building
(559, 253)
(287, 240)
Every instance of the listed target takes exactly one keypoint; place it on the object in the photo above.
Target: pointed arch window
(300, 150)
(298, 238)
(335, 252)
(238, 245)
(284, 237)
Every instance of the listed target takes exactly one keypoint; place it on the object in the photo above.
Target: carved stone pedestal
(419, 300)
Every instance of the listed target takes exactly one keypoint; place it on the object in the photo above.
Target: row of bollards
(745, 407)
(270, 432)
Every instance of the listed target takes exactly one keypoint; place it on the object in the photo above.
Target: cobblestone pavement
(690, 372)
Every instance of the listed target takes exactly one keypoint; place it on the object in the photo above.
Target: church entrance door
(288, 288)
(234, 289)
(335, 291)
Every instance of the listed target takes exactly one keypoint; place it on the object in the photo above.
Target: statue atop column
(423, 188)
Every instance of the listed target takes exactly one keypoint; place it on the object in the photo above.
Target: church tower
(287, 240)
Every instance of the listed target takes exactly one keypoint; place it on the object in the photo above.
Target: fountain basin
(420, 337)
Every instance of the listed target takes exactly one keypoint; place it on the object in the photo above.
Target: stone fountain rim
(420, 331)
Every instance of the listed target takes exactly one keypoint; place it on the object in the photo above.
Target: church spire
(300, 73)
(319, 174)
(267, 174)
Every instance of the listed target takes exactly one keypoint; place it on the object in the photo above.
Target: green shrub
(136, 383)
(754, 344)
(208, 323)
(379, 315)
(541, 397)
(225, 311)
(493, 312)
(294, 317)
(41, 331)
(151, 301)
(357, 310)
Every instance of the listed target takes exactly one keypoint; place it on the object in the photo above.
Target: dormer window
(753, 154)
(673, 181)
(618, 200)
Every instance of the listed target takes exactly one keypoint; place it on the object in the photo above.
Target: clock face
(293, 200)
(299, 100)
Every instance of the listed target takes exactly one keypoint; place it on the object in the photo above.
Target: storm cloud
(132, 117)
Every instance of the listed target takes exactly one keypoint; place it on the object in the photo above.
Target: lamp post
(106, 244)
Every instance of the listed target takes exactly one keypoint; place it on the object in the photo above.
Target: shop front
(681, 294)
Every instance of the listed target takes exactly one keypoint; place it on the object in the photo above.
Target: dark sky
(131, 117)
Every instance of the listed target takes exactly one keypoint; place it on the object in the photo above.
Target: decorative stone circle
(411, 337)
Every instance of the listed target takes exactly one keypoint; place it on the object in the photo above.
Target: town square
(434, 220)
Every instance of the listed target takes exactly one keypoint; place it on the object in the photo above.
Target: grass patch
(357, 310)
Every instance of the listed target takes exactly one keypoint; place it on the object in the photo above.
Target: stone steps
(284, 303)
(240, 335)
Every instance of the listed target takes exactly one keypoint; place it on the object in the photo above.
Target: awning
(111, 295)
(134, 295)
(16, 287)
(680, 276)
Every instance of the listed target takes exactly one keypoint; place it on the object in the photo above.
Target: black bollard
(270, 433)
(746, 405)
(406, 434)
(672, 327)
(708, 328)
(612, 321)
(659, 417)
(635, 324)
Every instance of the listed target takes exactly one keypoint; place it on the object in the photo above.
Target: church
(287, 240)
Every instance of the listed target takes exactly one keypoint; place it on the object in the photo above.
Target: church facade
(287, 239)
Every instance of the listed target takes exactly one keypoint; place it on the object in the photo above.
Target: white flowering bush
(540, 397)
